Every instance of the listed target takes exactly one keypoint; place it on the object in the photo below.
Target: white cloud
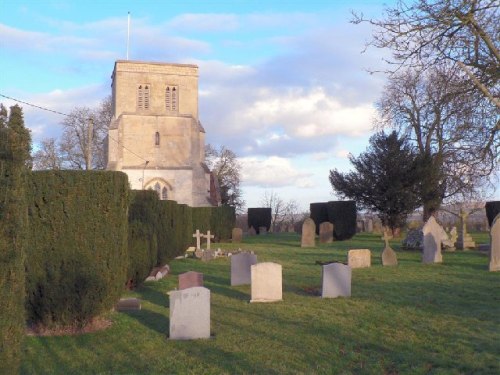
(272, 172)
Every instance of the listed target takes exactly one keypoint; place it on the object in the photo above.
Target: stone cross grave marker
(336, 280)
(198, 237)
(237, 235)
(208, 236)
(495, 245)
(190, 313)
(432, 241)
(326, 232)
(464, 239)
(266, 283)
(389, 257)
(190, 279)
(241, 264)
(308, 233)
(359, 258)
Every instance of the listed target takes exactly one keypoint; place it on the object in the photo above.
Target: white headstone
(190, 313)
(241, 268)
(359, 258)
(336, 280)
(266, 282)
(432, 241)
(495, 245)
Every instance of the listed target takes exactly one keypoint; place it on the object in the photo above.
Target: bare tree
(449, 126)
(47, 156)
(282, 213)
(224, 163)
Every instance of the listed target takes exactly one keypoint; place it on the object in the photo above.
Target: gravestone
(359, 258)
(262, 230)
(198, 236)
(369, 225)
(308, 233)
(432, 241)
(237, 235)
(128, 304)
(251, 231)
(266, 282)
(326, 232)
(336, 280)
(389, 257)
(208, 236)
(495, 245)
(190, 313)
(464, 240)
(207, 255)
(241, 264)
(190, 279)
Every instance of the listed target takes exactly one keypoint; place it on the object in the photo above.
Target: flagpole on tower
(128, 33)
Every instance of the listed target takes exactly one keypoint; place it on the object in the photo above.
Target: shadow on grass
(150, 319)
(220, 285)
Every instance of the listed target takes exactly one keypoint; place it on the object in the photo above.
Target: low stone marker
(308, 233)
(190, 314)
(326, 232)
(237, 235)
(335, 280)
(266, 282)
(495, 245)
(207, 255)
(262, 231)
(190, 279)
(241, 266)
(359, 258)
(128, 304)
(389, 257)
(251, 231)
(432, 242)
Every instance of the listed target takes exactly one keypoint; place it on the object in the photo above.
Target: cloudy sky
(282, 83)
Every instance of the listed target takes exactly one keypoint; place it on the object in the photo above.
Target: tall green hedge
(77, 255)
(259, 217)
(319, 213)
(342, 214)
(222, 222)
(492, 210)
(15, 143)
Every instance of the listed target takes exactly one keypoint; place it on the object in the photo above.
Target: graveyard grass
(409, 319)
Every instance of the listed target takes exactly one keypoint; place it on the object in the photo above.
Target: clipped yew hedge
(492, 210)
(342, 214)
(222, 222)
(259, 217)
(77, 256)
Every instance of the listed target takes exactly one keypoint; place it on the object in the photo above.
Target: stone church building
(155, 136)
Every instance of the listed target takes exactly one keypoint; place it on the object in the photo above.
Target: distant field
(413, 318)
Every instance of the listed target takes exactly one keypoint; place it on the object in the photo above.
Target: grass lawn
(409, 319)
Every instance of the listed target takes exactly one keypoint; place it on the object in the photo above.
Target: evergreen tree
(387, 179)
(15, 145)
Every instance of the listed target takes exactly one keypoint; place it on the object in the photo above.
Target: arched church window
(158, 189)
(143, 97)
(164, 194)
(174, 99)
(157, 139)
(167, 98)
(171, 98)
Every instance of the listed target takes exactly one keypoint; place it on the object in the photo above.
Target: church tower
(155, 136)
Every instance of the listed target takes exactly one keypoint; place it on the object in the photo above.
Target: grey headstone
(308, 233)
(326, 232)
(432, 241)
(241, 268)
(495, 245)
(190, 279)
(237, 235)
(251, 231)
(207, 255)
(190, 314)
(359, 258)
(262, 230)
(128, 304)
(389, 257)
(336, 280)
(266, 282)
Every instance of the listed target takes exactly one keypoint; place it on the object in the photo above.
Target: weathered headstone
(432, 242)
(208, 236)
(190, 279)
(464, 240)
(308, 233)
(262, 231)
(336, 280)
(128, 304)
(266, 282)
(495, 245)
(326, 232)
(369, 225)
(359, 258)
(190, 313)
(207, 255)
(241, 264)
(198, 237)
(237, 235)
(389, 257)
(251, 231)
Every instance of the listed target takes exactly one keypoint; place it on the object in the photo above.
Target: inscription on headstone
(190, 313)
(266, 282)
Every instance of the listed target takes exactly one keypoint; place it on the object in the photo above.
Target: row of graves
(190, 303)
